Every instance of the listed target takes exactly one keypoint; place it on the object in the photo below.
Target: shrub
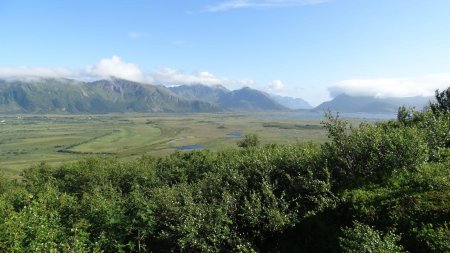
(434, 238)
(362, 238)
(249, 140)
(443, 102)
(371, 153)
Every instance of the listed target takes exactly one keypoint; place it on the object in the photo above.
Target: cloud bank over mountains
(24, 72)
(116, 67)
(169, 76)
(392, 87)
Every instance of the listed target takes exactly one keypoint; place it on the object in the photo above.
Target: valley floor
(30, 139)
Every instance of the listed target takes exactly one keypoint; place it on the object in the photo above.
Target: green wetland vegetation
(29, 139)
(284, 186)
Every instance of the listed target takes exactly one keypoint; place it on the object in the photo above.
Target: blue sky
(311, 49)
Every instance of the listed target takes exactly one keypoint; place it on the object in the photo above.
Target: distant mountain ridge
(292, 103)
(346, 103)
(52, 95)
(211, 93)
(243, 99)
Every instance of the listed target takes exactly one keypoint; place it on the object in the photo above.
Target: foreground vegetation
(374, 188)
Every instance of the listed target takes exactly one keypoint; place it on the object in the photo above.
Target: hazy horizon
(311, 49)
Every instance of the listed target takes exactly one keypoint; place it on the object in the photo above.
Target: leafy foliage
(434, 238)
(371, 152)
(442, 104)
(249, 140)
(362, 238)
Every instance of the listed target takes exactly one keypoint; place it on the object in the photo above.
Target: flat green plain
(26, 140)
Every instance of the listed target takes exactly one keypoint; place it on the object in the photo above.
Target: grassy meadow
(29, 139)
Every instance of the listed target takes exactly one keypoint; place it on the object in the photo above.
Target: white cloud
(115, 67)
(169, 76)
(106, 68)
(240, 4)
(392, 87)
(31, 72)
(176, 77)
(276, 85)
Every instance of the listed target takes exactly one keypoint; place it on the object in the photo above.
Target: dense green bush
(433, 122)
(433, 238)
(199, 201)
(405, 201)
(363, 239)
(249, 140)
(371, 153)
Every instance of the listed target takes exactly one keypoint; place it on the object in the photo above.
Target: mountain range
(117, 95)
(292, 103)
(243, 99)
(346, 103)
(58, 95)
(103, 96)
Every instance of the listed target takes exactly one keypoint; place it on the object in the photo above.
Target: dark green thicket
(381, 187)
(371, 153)
(362, 238)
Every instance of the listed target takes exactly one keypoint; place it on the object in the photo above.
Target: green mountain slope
(249, 99)
(210, 94)
(292, 103)
(115, 95)
(244, 99)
